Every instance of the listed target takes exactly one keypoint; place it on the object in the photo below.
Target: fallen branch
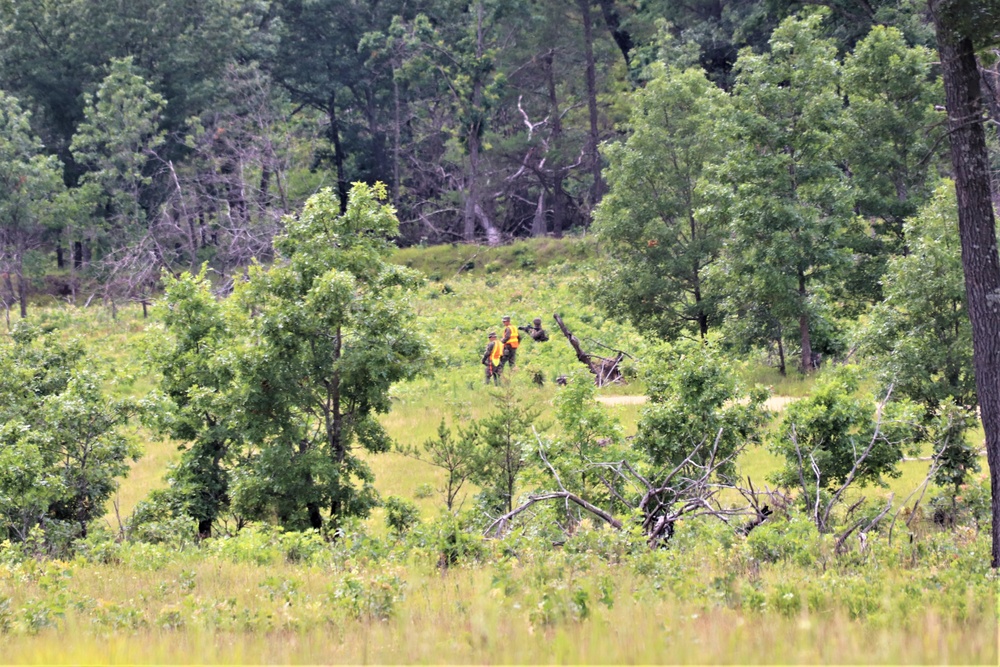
(605, 370)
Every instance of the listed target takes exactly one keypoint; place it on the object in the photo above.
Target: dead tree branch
(605, 370)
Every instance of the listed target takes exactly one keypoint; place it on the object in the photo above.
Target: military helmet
(538, 320)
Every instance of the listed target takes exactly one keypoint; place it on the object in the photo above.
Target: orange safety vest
(514, 339)
(496, 352)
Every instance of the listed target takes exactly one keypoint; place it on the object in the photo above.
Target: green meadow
(785, 594)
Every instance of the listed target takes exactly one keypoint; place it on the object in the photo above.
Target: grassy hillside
(782, 595)
(529, 279)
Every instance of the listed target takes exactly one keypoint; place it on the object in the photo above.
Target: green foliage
(30, 189)
(794, 539)
(115, 143)
(919, 337)
(891, 131)
(784, 191)
(587, 434)
(63, 446)
(966, 503)
(400, 515)
(371, 598)
(454, 454)
(327, 340)
(697, 401)
(196, 360)
(841, 434)
(656, 220)
(503, 441)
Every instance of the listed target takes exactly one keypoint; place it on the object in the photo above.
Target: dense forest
(148, 136)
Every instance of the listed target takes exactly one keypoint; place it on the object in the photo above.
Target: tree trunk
(804, 327)
(976, 228)
(472, 137)
(338, 151)
(781, 355)
(60, 260)
(558, 206)
(621, 36)
(22, 293)
(538, 222)
(396, 132)
(597, 189)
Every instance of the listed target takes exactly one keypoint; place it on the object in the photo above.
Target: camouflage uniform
(537, 333)
(491, 370)
(509, 353)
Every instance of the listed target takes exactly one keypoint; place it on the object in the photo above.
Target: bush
(371, 598)
(400, 515)
(970, 506)
(795, 540)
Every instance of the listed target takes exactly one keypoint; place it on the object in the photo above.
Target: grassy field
(781, 595)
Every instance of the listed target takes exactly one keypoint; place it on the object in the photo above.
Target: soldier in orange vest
(492, 359)
(510, 341)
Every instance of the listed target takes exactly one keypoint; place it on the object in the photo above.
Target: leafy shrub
(560, 601)
(170, 618)
(400, 515)
(970, 506)
(161, 519)
(118, 617)
(455, 541)
(786, 599)
(301, 546)
(371, 598)
(100, 546)
(795, 540)
(146, 556)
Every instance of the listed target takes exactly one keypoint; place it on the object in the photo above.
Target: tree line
(176, 133)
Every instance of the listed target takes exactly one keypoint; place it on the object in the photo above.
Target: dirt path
(774, 404)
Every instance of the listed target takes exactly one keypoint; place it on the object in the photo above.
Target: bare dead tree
(606, 370)
(863, 525)
(689, 489)
(225, 204)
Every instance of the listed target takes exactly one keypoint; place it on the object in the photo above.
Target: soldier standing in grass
(492, 359)
(510, 342)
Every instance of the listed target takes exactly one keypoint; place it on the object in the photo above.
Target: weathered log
(604, 369)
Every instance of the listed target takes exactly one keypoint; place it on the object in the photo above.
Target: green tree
(920, 339)
(891, 143)
(115, 144)
(919, 336)
(54, 51)
(198, 378)
(655, 219)
(588, 433)
(29, 182)
(698, 409)
(328, 337)
(838, 436)
(788, 197)
(454, 454)
(62, 444)
(503, 443)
